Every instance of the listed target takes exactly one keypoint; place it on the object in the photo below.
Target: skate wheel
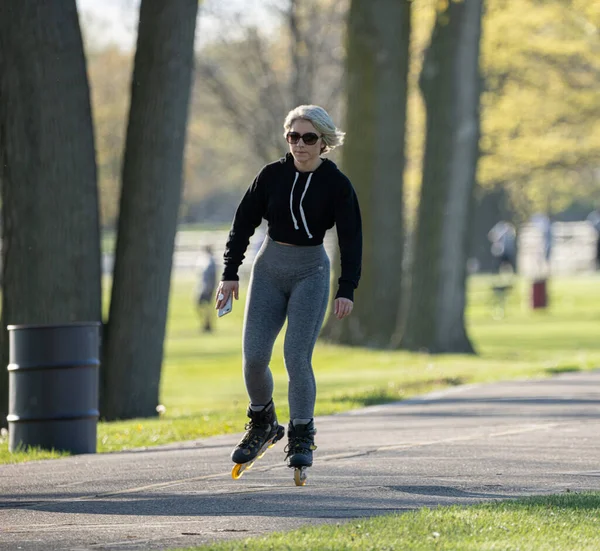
(300, 476)
(237, 471)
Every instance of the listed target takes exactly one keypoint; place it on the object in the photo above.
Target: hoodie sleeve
(349, 229)
(248, 217)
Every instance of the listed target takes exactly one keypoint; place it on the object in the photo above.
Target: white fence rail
(573, 249)
(189, 250)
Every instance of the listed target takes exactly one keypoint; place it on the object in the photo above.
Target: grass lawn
(565, 522)
(203, 394)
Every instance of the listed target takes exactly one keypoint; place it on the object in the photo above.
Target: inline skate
(300, 447)
(262, 432)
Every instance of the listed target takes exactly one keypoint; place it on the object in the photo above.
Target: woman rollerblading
(301, 196)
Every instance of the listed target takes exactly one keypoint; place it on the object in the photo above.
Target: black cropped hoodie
(299, 208)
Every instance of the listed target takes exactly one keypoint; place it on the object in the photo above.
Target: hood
(326, 166)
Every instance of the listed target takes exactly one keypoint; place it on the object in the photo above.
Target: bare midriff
(288, 244)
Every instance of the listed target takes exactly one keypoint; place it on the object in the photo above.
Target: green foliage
(540, 124)
(541, 130)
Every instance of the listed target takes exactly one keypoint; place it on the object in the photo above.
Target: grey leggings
(286, 281)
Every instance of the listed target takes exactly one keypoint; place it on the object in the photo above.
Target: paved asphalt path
(466, 445)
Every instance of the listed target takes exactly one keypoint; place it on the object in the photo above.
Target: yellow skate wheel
(237, 471)
(300, 476)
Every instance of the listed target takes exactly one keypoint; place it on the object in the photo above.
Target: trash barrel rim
(55, 325)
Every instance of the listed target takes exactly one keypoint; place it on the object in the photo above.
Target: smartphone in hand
(227, 307)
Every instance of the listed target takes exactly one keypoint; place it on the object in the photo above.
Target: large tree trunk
(152, 182)
(373, 159)
(50, 228)
(451, 83)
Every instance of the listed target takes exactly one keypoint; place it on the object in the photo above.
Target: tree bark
(451, 84)
(373, 158)
(151, 192)
(51, 269)
(302, 55)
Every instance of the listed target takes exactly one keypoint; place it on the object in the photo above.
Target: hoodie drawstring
(291, 200)
(301, 209)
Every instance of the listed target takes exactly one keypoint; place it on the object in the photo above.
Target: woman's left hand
(343, 307)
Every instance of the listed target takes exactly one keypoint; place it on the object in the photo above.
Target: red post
(539, 294)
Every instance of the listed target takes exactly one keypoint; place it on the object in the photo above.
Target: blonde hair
(320, 119)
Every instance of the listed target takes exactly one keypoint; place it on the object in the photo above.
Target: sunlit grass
(203, 394)
(564, 522)
(26, 454)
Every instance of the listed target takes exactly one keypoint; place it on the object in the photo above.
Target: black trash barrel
(53, 386)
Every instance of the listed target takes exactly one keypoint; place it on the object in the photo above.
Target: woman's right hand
(225, 289)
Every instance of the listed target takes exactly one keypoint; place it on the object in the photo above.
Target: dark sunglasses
(310, 138)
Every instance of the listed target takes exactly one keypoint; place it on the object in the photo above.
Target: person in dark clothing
(301, 196)
(503, 237)
(205, 289)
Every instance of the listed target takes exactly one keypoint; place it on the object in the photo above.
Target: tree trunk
(50, 226)
(451, 84)
(373, 159)
(299, 87)
(151, 192)
(302, 52)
